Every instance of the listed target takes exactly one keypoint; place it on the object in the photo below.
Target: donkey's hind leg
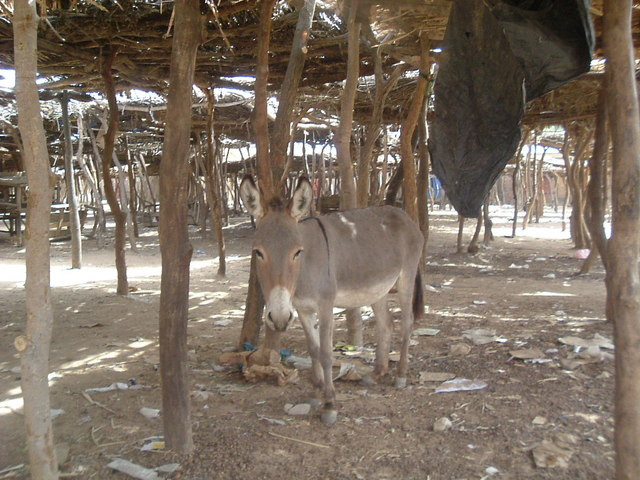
(325, 317)
(384, 328)
(405, 297)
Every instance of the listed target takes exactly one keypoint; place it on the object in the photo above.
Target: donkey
(346, 259)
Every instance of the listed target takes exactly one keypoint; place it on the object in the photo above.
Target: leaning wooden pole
(288, 93)
(623, 250)
(252, 321)
(119, 216)
(175, 247)
(409, 185)
(34, 346)
(70, 180)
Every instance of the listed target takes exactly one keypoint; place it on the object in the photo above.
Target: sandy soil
(523, 289)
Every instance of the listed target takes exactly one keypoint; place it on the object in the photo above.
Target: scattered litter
(200, 395)
(594, 353)
(490, 472)
(200, 252)
(435, 377)
(581, 253)
(273, 421)
(442, 424)
(345, 347)
(513, 265)
(586, 351)
(538, 361)
(301, 363)
(110, 388)
(260, 364)
(460, 385)
(56, 412)
(349, 372)
(527, 354)
(459, 349)
(539, 420)
(153, 444)
(540, 259)
(554, 453)
(150, 413)
(133, 470)
(224, 322)
(479, 336)
(597, 340)
(426, 332)
(298, 409)
(479, 302)
(550, 276)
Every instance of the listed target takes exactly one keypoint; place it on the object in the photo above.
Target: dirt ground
(554, 409)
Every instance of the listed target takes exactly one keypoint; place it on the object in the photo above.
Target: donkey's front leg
(311, 332)
(325, 317)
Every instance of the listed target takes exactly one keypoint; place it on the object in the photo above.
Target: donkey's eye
(297, 254)
(258, 253)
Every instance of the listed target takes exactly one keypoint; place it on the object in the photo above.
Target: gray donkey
(344, 259)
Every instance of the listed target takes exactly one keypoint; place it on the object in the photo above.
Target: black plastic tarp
(497, 55)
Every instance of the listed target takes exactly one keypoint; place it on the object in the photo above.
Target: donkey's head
(277, 245)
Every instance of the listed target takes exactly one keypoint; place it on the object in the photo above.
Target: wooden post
(175, 247)
(288, 93)
(514, 181)
(252, 321)
(34, 346)
(133, 202)
(72, 198)
(423, 180)
(345, 127)
(109, 141)
(92, 182)
(406, 134)
(596, 189)
(623, 285)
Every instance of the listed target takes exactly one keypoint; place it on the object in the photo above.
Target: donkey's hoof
(401, 382)
(315, 403)
(329, 417)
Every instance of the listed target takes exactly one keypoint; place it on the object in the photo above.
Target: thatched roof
(75, 36)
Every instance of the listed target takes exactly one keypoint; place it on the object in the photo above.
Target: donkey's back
(368, 250)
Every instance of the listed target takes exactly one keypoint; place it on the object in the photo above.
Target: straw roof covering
(75, 36)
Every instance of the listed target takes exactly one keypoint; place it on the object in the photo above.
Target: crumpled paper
(260, 364)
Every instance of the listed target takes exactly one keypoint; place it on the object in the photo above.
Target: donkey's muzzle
(278, 324)
(279, 309)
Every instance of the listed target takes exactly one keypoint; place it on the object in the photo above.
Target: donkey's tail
(418, 297)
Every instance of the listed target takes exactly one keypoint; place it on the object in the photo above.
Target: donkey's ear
(301, 199)
(250, 195)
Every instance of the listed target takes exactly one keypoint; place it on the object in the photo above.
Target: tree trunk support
(623, 282)
(175, 247)
(34, 346)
